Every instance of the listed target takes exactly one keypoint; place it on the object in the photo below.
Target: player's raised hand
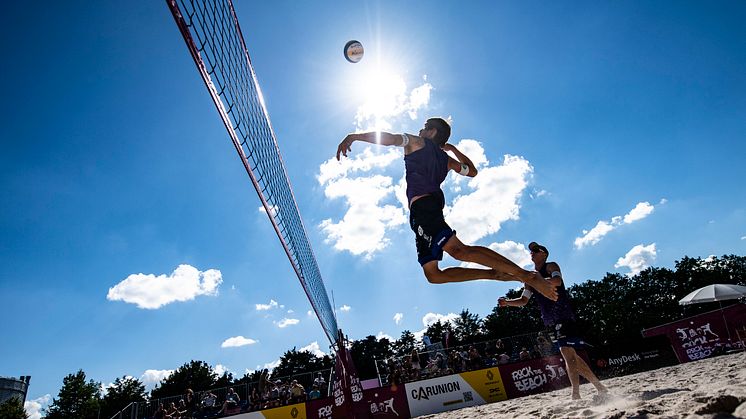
(344, 147)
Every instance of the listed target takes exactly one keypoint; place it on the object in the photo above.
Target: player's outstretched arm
(382, 138)
(463, 165)
(515, 302)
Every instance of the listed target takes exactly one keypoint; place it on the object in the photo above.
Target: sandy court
(706, 388)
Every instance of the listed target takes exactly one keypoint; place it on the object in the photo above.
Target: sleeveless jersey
(553, 312)
(426, 169)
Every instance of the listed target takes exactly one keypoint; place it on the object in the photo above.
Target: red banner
(534, 376)
(701, 336)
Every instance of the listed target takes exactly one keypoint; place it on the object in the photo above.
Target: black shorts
(430, 228)
(566, 333)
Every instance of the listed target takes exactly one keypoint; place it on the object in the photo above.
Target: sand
(709, 388)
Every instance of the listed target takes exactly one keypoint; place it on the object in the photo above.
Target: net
(212, 34)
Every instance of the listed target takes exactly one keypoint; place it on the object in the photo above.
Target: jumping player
(427, 166)
(559, 318)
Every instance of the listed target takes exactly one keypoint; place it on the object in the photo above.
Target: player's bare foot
(541, 285)
(576, 396)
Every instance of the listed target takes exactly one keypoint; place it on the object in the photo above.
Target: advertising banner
(293, 411)
(534, 376)
(701, 336)
(454, 391)
(383, 403)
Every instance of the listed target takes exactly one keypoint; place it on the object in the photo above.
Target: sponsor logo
(625, 359)
(425, 392)
(325, 411)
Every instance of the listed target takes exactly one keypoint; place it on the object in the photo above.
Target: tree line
(612, 310)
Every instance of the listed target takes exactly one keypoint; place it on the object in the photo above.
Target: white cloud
(35, 407)
(431, 318)
(313, 348)
(287, 322)
(152, 377)
(221, 369)
(237, 341)
(494, 197)
(272, 209)
(345, 308)
(309, 313)
(270, 365)
(516, 252)
(398, 317)
(602, 228)
(638, 258)
(640, 211)
(264, 307)
(663, 201)
(362, 229)
(382, 335)
(152, 292)
(743, 237)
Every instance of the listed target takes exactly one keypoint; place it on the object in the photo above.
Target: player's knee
(434, 276)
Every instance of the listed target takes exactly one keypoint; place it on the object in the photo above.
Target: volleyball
(353, 51)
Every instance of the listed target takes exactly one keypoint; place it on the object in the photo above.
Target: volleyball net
(211, 31)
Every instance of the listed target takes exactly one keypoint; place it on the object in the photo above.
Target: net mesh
(212, 34)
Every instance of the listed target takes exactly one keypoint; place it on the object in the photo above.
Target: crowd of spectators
(445, 361)
(265, 395)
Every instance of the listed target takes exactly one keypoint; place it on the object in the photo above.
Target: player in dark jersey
(559, 318)
(427, 164)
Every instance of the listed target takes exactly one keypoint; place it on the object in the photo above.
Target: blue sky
(610, 132)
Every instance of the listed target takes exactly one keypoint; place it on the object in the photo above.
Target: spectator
(503, 358)
(319, 381)
(190, 401)
(160, 413)
(415, 360)
(297, 392)
(314, 393)
(255, 400)
(209, 402)
(455, 362)
(475, 359)
(524, 355)
(231, 401)
(172, 411)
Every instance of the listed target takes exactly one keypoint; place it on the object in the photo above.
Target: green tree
(405, 343)
(77, 399)
(364, 353)
(467, 327)
(437, 331)
(294, 362)
(197, 375)
(507, 321)
(121, 393)
(12, 409)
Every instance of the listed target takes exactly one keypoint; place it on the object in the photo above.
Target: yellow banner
(293, 411)
(488, 383)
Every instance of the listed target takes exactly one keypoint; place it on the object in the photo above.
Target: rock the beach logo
(699, 342)
(527, 378)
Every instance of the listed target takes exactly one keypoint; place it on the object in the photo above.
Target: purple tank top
(426, 169)
(554, 312)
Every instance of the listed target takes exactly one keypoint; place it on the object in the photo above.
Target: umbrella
(715, 292)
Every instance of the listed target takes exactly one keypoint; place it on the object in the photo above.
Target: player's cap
(536, 247)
